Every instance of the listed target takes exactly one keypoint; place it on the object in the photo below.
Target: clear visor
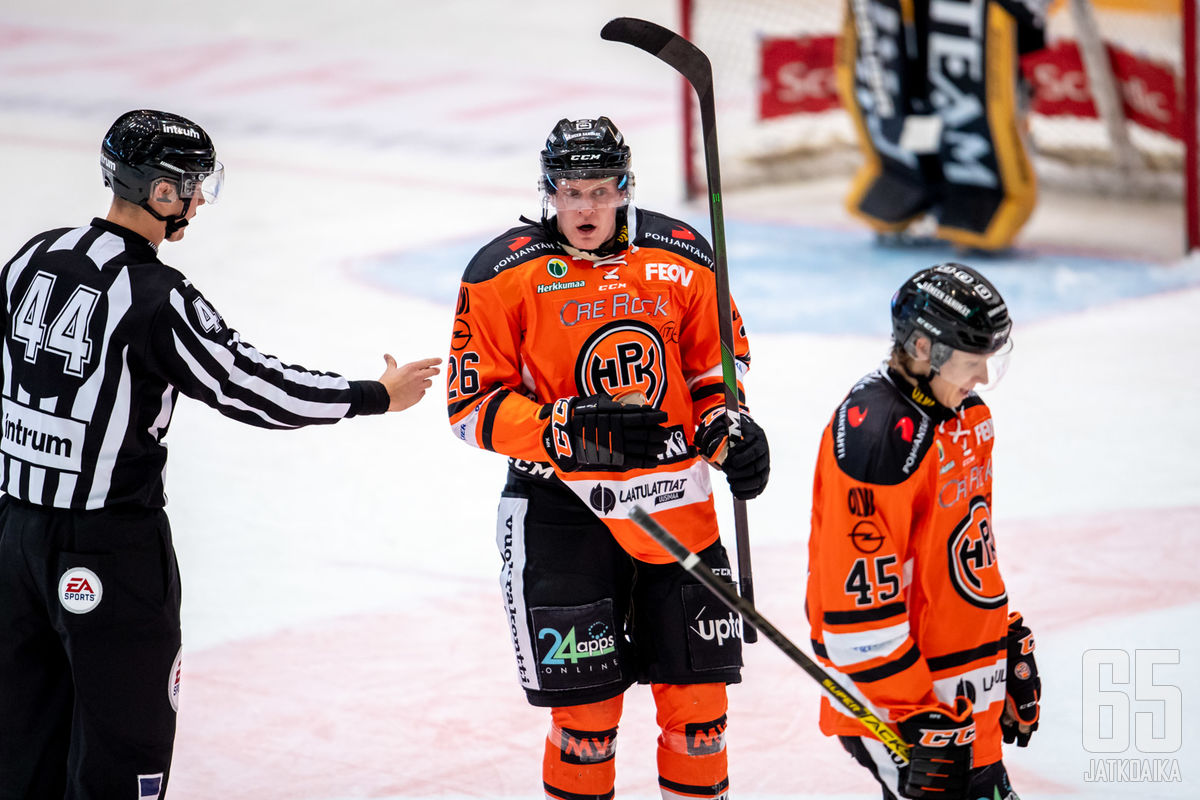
(572, 194)
(975, 371)
(207, 183)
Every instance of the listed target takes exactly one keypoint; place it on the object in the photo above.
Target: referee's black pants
(89, 653)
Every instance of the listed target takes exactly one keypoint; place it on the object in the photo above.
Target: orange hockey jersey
(535, 324)
(905, 597)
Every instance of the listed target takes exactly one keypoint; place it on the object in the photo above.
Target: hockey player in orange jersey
(586, 348)
(905, 597)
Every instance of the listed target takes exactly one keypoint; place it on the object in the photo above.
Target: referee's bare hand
(407, 384)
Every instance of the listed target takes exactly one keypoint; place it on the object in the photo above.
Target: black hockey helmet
(145, 146)
(953, 305)
(585, 148)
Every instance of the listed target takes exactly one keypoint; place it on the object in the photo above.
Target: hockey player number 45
(67, 335)
(863, 582)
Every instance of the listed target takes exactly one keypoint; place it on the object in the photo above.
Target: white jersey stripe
(210, 383)
(296, 376)
(268, 392)
(66, 489)
(120, 298)
(68, 240)
(114, 436)
(107, 247)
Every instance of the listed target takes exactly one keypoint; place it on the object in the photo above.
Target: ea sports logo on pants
(79, 590)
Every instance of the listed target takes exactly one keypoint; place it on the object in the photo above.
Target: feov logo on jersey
(621, 357)
(80, 590)
(972, 553)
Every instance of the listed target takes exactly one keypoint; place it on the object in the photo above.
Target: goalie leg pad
(580, 749)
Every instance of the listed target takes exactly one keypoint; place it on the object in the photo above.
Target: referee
(100, 337)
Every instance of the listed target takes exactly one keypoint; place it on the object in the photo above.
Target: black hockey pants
(89, 653)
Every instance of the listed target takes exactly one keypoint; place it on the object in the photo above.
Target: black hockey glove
(597, 431)
(940, 761)
(747, 464)
(1023, 686)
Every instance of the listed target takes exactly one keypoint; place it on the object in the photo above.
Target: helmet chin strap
(175, 222)
(619, 241)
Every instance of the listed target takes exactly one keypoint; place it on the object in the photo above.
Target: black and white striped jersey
(99, 339)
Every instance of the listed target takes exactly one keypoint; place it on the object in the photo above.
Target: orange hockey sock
(580, 747)
(691, 747)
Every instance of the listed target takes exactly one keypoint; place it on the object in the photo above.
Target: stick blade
(665, 45)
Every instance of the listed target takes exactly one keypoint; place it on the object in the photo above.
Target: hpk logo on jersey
(557, 268)
(80, 590)
(622, 357)
(972, 555)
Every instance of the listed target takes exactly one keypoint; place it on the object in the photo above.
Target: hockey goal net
(1114, 96)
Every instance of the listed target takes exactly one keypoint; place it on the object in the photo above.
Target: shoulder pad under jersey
(666, 233)
(878, 436)
(514, 246)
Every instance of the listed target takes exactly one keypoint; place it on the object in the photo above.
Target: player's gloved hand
(747, 464)
(940, 761)
(1023, 686)
(597, 431)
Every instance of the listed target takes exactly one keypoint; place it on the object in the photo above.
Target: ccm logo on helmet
(623, 356)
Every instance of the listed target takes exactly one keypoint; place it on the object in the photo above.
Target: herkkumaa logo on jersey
(621, 357)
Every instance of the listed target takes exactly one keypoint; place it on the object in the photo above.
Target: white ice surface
(342, 632)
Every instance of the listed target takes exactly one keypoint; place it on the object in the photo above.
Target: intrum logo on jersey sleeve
(557, 268)
(175, 680)
(80, 590)
(621, 357)
(972, 555)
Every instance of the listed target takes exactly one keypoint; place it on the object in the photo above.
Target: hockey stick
(694, 66)
(692, 563)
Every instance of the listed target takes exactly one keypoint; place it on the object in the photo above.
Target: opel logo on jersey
(461, 337)
(622, 357)
(80, 590)
(972, 554)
